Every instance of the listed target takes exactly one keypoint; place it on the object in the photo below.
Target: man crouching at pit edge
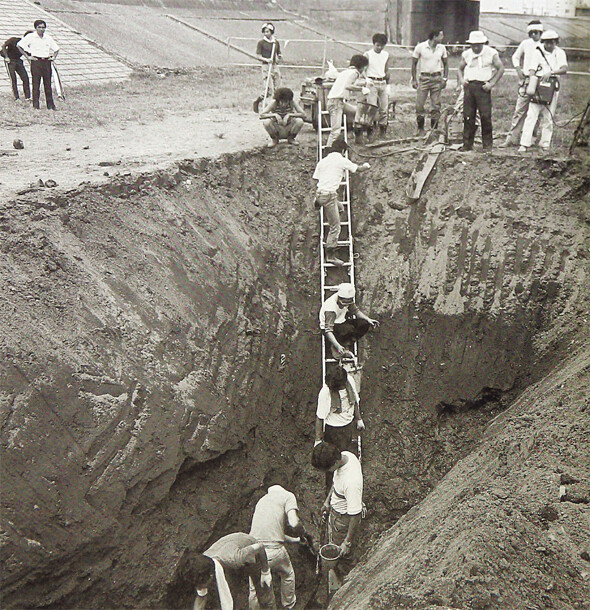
(283, 117)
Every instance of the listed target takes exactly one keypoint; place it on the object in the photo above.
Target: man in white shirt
(337, 411)
(344, 502)
(433, 62)
(273, 512)
(551, 61)
(480, 69)
(378, 74)
(339, 328)
(339, 92)
(40, 49)
(524, 60)
(329, 173)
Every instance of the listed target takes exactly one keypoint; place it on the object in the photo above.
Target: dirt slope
(508, 526)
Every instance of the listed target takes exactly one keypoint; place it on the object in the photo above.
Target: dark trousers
(41, 69)
(350, 331)
(340, 437)
(477, 100)
(18, 67)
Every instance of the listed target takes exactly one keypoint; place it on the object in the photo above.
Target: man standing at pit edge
(434, 74)
(40, 49)
(551, 62)
(480, 69)
(524, 60)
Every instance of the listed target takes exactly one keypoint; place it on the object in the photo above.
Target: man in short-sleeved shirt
(14, 62)
(479, 71)
(551, 61)
(329, 173)
(339, 329)
(345, 499)
(273, 511)
(431, 56)
(524, 60)
(241, 556)
(268, 51)
(40, 49)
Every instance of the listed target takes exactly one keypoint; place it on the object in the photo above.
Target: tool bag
(545, 91)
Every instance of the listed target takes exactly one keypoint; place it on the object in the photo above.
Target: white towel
(225, 597)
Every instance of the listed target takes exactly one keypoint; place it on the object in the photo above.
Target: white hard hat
(477, 37)
(550, 35)
(346, 291)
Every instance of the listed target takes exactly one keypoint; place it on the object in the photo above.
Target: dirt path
(72, 157)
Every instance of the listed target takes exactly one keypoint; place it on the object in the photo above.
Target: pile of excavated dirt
(160, 355)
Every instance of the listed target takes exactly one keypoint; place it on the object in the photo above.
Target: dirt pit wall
(160, 353)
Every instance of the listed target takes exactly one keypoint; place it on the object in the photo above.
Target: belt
(376, 77)
(430, 73)
(41, 58)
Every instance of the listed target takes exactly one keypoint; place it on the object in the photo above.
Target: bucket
(330, 554)
(366, 114)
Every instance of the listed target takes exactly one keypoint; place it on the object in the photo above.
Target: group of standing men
(39, 49)
(538, 60)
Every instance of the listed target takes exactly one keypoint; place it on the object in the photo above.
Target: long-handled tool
(269, 74)
(59, 89)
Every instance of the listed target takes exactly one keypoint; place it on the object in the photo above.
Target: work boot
(330, 258)
(358, 135)
(421, 132)
(382, 130)
(293, 142)
(433, 123)
(272, 143)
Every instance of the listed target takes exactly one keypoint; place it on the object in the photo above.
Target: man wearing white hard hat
(337, 324)
(551, 61)
(480, 69)
(524, 60)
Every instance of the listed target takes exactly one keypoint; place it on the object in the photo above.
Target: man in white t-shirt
(329, 173)
(378, 74)
(337, 411)
(340, 329)
(273, 512)
(551, 62)
(345, 82)
(344, 502)
(524, 60)
(479, 71)
(433, 62)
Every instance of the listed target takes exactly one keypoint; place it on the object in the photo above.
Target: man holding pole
(268, 52)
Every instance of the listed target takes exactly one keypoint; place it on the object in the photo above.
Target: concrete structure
(80, 61)
(557, 8)
(410, 21)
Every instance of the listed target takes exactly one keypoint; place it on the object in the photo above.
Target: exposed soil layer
(160, 354)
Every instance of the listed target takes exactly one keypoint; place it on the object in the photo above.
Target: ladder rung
(346, 242)
(346, 264)
(331, 288)
(342, 224)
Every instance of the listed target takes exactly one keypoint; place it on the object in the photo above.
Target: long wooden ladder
(328, 270)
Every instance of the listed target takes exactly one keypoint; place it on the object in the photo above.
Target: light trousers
(543, 114)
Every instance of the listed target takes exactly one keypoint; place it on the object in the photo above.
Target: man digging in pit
(273, 513)
(343, 506)
(230, 563)
(340, 328)
(329, 173)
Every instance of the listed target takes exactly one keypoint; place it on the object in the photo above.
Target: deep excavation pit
(160, 355)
